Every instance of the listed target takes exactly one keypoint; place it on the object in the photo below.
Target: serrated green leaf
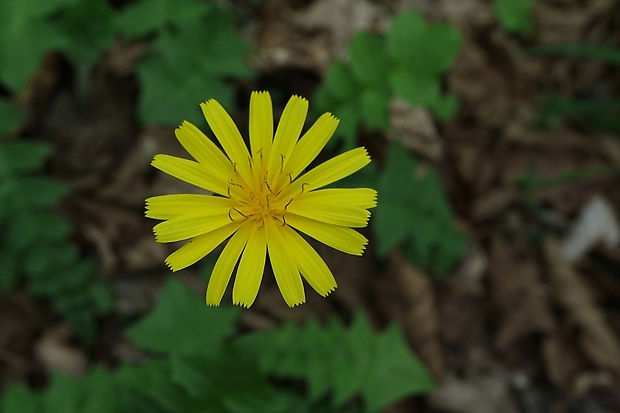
(415, 214)
(347, 357)
(10, 116)
(146, 16)
(405, 33)
(340, 83)
(375, 105)
(392, 225)
(397, 372)
(349, 115)
(418, 90)
(25, 35)
(369, 62)
(88, 26)
(40, 191)
(514, 15)
(422, 49)
(21, 156)
(181, 323)
(18, 399)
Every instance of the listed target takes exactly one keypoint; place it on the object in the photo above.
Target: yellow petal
(289, 128)
(190, 172)
(329, 171)
(341, 238)
(309, 263)
(360, 197)
(226, 263)
(188, 226)
(200, 246)
(311, 144)
(204, 151)
(261, 124)
(283, 264)
(170, 206)
(228, 135)
(343, 215)
(251, 268)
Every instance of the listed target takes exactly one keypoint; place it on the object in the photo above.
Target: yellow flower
(260, 200)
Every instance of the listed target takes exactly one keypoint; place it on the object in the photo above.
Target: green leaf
(88, 25)
(25, 35)
(514, 15)
(340, 83)
(176, 79)
(392, 224)
(424, 50)
(21, 156)
(39, 191)
(347, 362)
(19, 399)
(349, 115)
(181, 323)
(10, 114)
(375, 105)
(414, 213)
(397, 372)
(418, 90)
(146, 16)
(369, 63)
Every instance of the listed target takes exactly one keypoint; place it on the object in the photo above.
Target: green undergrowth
(193, 50)
(199, 365)
(515, 16)
(408, 62)
(598, 111)
(413, 213)
(35, 244)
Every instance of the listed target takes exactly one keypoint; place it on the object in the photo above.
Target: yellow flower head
(261, 200)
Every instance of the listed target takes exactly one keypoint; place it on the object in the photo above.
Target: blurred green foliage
(599, 112)
(35, 240)
(407, 62)
(194, 51)
(26, 33)
(514, 16)
(203, 368)
(414, 213)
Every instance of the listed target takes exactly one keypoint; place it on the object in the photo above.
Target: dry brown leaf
(494, 202)
(311, 37)
(516, 295)
(415, 128)
(593, 334)
(406, 294)
(56, 354)
(562, 359)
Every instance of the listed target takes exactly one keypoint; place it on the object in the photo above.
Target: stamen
(267, 184)
(282, 163)
(303, 187)
(290, 177)
(235, 168)
(237, 211)
(288, 203)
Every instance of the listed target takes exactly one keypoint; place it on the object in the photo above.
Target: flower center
(259, 200)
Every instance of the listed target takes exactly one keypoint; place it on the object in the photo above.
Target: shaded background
(493, 128)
